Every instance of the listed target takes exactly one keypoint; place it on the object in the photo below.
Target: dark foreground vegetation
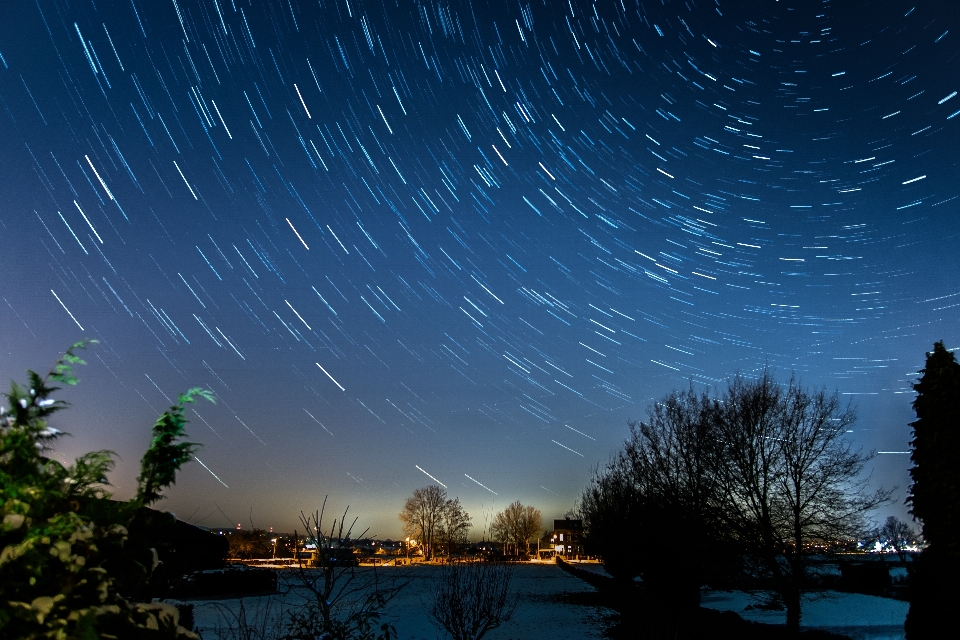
(749, 483)
(935, 496)
(76, 564)
(752, 485)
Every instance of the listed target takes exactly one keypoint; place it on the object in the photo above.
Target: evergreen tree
(935, 494)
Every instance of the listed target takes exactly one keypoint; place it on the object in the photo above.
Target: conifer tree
(935, 494)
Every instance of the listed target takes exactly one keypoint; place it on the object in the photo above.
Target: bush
(343, 603)
(472, 598)
(70, 566)
(872, 578)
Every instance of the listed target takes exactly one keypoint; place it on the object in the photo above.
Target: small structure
(567, 538)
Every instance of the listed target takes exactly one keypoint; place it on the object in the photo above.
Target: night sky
(405, 241)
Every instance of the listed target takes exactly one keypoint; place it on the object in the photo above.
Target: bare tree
(791, 475)
(249, 544)
(500, 529)
(472, 598)
(610, 506)
(766, 470)
(455, 524)
(516, 525)
(667, 469)
(664, 477)
(346, 603)
(431, 517)
(897, 534)
(530, 524)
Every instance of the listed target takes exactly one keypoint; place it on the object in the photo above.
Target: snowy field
(858, 616)
(539, 615)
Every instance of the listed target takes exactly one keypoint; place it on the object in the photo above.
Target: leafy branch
(165, 456)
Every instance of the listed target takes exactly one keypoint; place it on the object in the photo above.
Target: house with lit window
(567, 538)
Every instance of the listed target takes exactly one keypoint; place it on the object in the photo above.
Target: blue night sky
(467, 239)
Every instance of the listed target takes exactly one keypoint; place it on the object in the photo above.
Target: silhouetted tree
(762, 471)
(343, 603)
(500, 530)
(527, 525)
(791, 476)
(611, 508)
(935, 494)
(897, 534)
(431, 517)
(421, 515)
(472, 598)
(517, 525)
(249, 544)
(664, 476)
(454, 525)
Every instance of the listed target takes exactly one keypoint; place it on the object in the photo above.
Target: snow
(858, 616)
(539, 614)
(542, 615)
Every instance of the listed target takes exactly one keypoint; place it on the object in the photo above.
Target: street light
(408, 550)
(274, 541)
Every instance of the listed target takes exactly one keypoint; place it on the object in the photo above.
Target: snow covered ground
(542, 615)
(858, 616)
(539, 614)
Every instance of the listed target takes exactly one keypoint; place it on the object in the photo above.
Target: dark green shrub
(69, 566)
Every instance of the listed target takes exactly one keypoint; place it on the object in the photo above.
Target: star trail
(474, 237)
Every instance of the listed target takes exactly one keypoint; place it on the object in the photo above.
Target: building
(567, 538)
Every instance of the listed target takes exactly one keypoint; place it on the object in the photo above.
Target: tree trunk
(791, 595)
(791, 599)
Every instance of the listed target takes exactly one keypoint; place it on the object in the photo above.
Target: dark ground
(642, 616)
